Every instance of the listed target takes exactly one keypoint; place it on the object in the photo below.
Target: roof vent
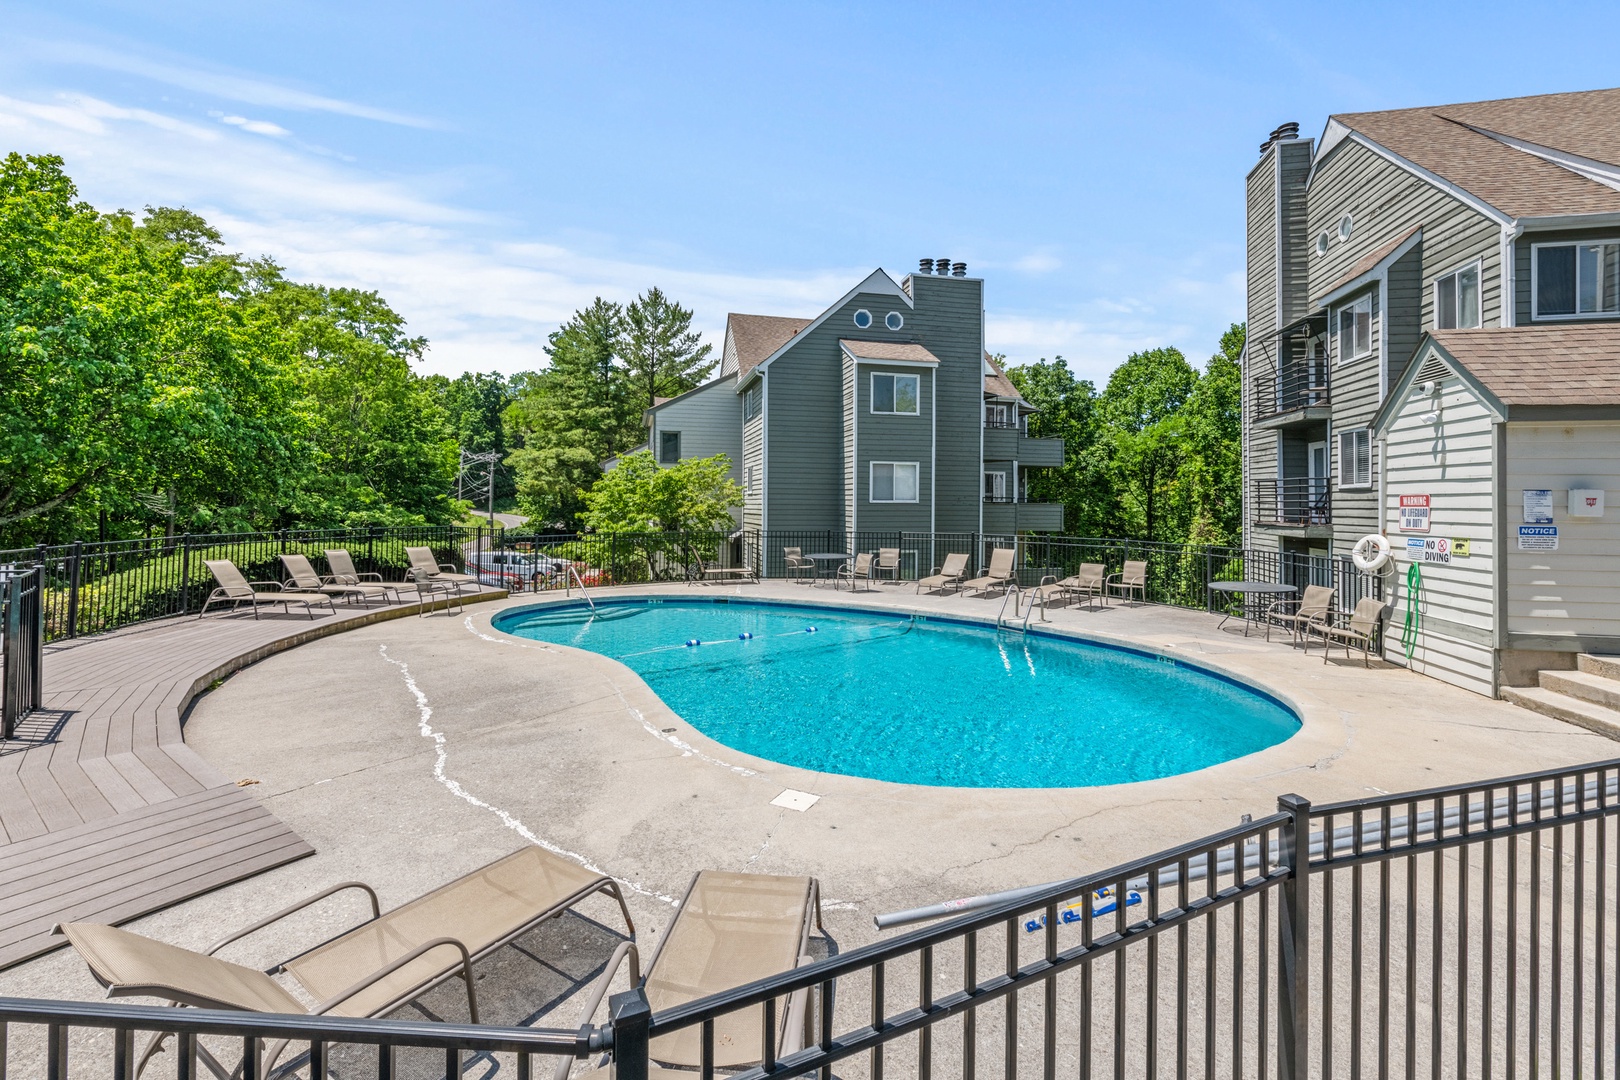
(959, 270)
(1289, 130)
(925, 266)
(942, 266)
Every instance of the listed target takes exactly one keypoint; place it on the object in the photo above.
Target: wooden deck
(105, 813)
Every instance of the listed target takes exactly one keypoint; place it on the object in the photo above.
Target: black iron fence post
(631, 1017)
(185, 573)
(73, 588)
(1294, 940)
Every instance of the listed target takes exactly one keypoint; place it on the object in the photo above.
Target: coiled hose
(1414, 617)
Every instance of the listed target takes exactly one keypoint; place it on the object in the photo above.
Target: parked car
(513, 569)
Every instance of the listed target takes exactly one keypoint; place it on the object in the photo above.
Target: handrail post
(73, 589)
(185, 573)
(631, 1016)
(1294, 944)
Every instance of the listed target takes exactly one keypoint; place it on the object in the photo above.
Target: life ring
(1370, 552)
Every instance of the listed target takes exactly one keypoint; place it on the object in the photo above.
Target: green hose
(1414, 618)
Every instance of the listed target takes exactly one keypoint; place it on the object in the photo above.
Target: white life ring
(1370, 552)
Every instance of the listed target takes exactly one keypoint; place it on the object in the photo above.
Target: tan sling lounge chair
(888, 564)
(1086, 583)
(302, 578)
(1132, 578)
(344, 573)
(237, 589)
(998, 575)
(731, 930)
(424, 566)
(1357, 633)
(370, 970)
(948, 575)
(1297, 614)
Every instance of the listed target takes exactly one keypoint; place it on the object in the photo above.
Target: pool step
(1588, 697)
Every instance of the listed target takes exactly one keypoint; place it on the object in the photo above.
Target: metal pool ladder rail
(573, 579)
(1012, 593)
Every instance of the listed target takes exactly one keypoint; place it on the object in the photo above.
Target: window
(893, 320)
(1456, 299)
(1347, 225)
(863, 318)
(893, 482)
(669, 447)
(998, 415)
(1322, 243)
(895, 394)
(748, 480)
(752, 402)
(995, 487)
(1355, 329)
(1355, 458)
(1577, 279)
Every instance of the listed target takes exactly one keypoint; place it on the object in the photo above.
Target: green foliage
(475, 407)
(696, 495)
(662, 355)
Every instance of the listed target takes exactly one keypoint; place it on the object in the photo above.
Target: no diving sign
(1414, 513)
(1429, 550)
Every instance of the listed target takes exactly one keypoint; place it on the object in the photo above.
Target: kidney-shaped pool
(918, 700)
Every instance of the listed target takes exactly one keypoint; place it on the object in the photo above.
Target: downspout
(1507, 275)
(764, 452)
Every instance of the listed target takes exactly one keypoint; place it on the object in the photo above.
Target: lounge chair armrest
(377, 976)
(277, 584)
(376, 910)
(450, 567)
(1049, 579)
(599, 991)
(796, 1024)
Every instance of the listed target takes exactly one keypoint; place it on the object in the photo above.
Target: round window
(1345, 226)
(863, 318)
(1322, 244)
(893, 320)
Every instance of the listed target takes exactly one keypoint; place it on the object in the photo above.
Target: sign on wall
(1414, 513)
(1586, 502)
(1435, 549)
(1538, 538)
(1538, 506)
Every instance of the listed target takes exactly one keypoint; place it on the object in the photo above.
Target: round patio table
(833, 559)
(1246, 589)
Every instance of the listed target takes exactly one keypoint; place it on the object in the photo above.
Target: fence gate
(22, 628)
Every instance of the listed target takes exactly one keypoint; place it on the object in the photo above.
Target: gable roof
(996, 383)
(876, 282)
(1369, 263)
(1525, 372)
(1466, 145)
(904, 352)
(757, 336)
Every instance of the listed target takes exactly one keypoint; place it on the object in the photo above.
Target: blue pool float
(744, 636)
(694, 643)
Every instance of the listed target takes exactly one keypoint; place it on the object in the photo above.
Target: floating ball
(693, 643)
(809, 629)
(745, 636)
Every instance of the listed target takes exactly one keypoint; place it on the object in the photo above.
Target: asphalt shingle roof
(889, 350)
(758, 336)
(1541, 365)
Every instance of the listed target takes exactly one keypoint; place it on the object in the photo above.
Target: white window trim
(871, 393)
(871, 465)
(1478, 266)
(662, 435)
(856, 319)
(1337, 447)
(1372, 322)
(894, 315)
(1535, 287)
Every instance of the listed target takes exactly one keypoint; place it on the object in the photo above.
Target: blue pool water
(919, 702)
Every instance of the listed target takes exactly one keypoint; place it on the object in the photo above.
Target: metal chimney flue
(942, 266)
(925, 266)
(959, 269)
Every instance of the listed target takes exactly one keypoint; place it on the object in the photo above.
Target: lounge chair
(1297, 614)
(1359, 632)
(239, 590)
(302, 578)
(859, 570)
(947, 575)
(1086, 583)
(796, 564)
(424, 565)
(998, 575)
(888, 563)
(344, 573)
(368, 971)
(730, 930)
(1132, 578)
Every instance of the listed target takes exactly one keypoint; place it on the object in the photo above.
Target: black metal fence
(1469, 930)
(1292, 500)
(89, 588)
(22, 643)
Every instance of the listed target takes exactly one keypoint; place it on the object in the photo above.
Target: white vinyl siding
(893, 482)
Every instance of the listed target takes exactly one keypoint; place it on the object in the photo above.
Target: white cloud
(257, 127)
(233, 87)
(1038, 263)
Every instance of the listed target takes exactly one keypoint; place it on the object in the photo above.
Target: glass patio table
(828, 562)
(1238, 593)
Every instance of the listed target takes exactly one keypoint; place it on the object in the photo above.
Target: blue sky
(489, 169)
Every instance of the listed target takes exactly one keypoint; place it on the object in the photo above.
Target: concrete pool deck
(410, 752)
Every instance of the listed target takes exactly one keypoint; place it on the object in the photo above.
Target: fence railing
(22, 641)
(1300, 384)
(93, 587)
(1292, 500)
(1469, 930)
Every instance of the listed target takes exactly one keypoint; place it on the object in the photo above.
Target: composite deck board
(114, 816)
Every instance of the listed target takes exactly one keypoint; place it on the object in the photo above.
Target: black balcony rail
(1292, 500)
(22, 645)
(1298, 384)
(1006, 423)
(90, 588)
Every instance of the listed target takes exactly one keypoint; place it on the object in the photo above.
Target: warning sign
(1538, 538)
(1429, 550)
(1414, 513)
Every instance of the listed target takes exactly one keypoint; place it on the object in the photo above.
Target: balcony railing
(1002, 424)
(1293, 500)
(1299, 385)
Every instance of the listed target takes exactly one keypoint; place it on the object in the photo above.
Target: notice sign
(1429, 549)
(1538, 506)
(1414, 513)
(1538, 538)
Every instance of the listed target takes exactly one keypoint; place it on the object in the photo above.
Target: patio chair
(1131, 579)
(948, 574)
(796, 564)
(1318, 600)
(239, 590)
(888, 562)
(302, 578)
(1359, 632)
(368, 971)
(344, 573)
(423, 564)
(999, 574)
(432, 588)
(730, 930)
(858, 570)
(1087, 583)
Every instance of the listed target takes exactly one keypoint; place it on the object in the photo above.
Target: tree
(663, 356)
(475, 408)
(1067, 408)
(639, 495)
(1215, 436)
(1142, 407)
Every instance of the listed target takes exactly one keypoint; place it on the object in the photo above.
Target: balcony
(1008, 441)
(1006, 514)
(1298, 392)
(1294, 502)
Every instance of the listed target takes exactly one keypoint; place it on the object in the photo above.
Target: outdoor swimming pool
(919, 701)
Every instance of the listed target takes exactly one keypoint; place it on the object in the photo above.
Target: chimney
(1281, 132)
(925, 266)
(959, 269)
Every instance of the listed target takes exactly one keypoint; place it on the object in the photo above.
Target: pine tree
(663, 356)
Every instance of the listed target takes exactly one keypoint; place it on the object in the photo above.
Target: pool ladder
(1015, 594)
(573, 579)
